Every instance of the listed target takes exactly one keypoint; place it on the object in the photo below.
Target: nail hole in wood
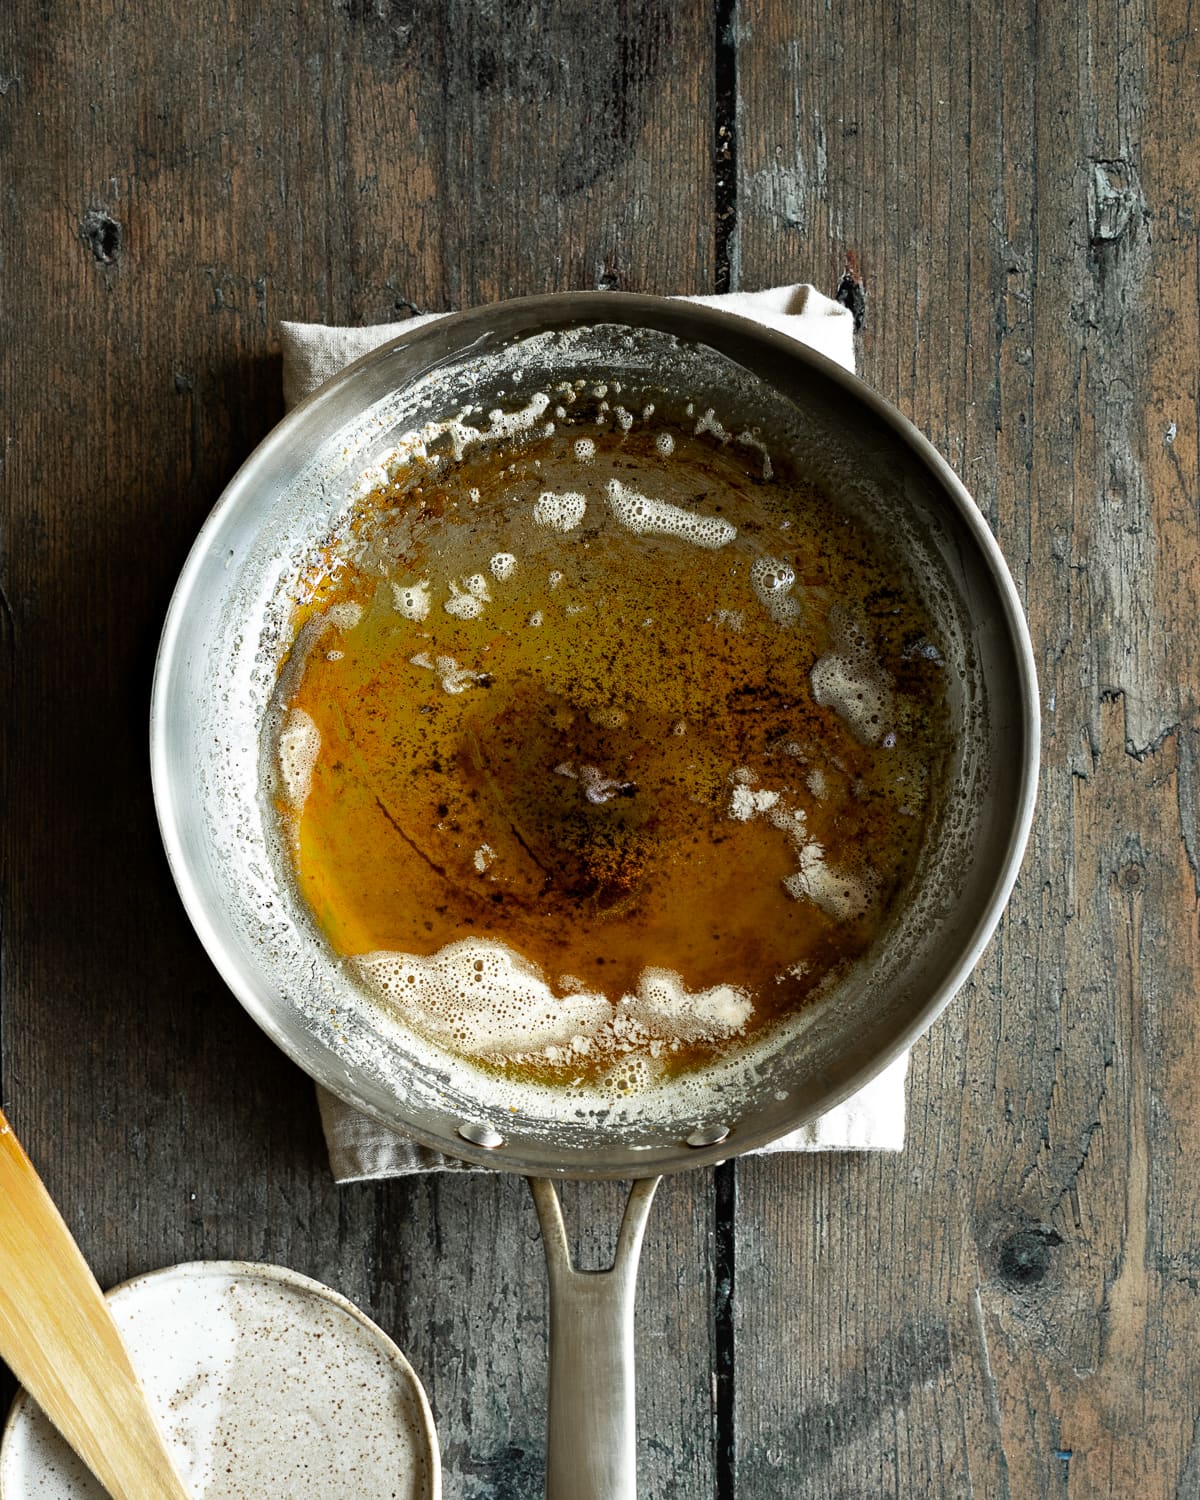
(101, 233)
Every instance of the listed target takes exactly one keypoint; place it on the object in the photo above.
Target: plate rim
(195, 1270)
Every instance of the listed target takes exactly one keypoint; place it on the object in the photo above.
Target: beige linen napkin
(359, 1147)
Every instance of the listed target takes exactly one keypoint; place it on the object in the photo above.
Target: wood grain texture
(1010, 1309)
(174, 182)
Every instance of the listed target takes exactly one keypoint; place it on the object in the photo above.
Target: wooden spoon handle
(59, 1337)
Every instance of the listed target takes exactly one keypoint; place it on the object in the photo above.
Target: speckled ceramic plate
(266, 1384)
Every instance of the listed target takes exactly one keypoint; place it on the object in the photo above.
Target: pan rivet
(708, 1135)
(481, 1135)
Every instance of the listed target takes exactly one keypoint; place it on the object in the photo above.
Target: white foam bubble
(745, 803)
(790, 820)
(463, 607)
(411, 599)
(415, 444)
(839, 894)
(344, 616)
(503, 566)
(751, 440)
(468, 597)
(772, 580)
(480, 998)
(585, 449)
(664, 1003)
(665, 444)
(454, 679)
(377, 476)
(599, 788)
(484, 857)
(561, 512)
(709, 423)
(299, 746)
(648, 517)
(508, 424)
(858, 692)
(609, 716)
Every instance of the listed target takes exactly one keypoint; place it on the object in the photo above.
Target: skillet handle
(591, 1430)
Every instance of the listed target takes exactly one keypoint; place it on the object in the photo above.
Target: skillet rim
(564, 310)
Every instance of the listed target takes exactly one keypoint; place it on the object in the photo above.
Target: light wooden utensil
(57, 1334)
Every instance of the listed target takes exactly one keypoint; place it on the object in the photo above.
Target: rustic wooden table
(1011, 1307)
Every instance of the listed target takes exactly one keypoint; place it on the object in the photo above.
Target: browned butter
(602, 743)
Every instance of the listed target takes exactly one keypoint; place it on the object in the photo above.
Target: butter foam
(411, 600)
(485, 1001)
(648, 517)
(840, 895)
(772, 581)
(299, 746)
(857, 691)
(560, 512)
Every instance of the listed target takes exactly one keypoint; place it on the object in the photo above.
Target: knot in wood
(1131, 876)
(1024, 1257)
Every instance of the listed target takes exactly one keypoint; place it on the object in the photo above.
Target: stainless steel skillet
(228, 627)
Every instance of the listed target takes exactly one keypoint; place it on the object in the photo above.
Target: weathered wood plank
(472, 1316)
(1010, 1309)
(174, 182)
